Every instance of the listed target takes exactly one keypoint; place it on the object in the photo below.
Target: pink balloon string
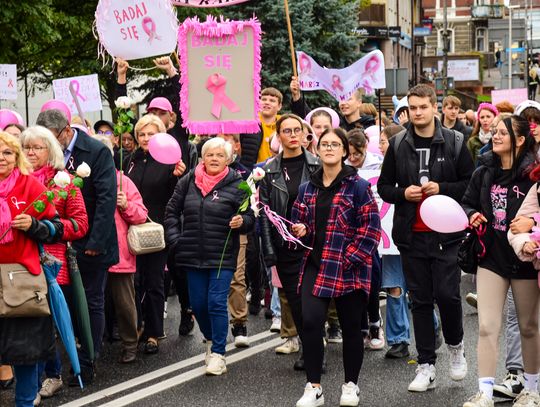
(76, 88)
(149, 27)
(336, 83)
(280, 224)
(216, 85)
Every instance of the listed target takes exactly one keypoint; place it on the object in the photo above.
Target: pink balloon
(443, 214)
(164, 148)
(373, 134)
(19, 117)
(7, 117)
(59, 105)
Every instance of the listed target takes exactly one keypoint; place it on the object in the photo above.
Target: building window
(440, 37)
(481, 39)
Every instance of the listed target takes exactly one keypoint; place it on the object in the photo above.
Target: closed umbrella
(60, 311)
(80, 306)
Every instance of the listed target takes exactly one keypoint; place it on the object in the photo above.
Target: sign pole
(291, 42)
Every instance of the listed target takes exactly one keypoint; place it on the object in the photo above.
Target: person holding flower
(24, 342)
(207, 209)
(45, 155)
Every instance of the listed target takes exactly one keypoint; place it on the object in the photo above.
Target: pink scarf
(206, 182)
(44, 174)
(6, 187)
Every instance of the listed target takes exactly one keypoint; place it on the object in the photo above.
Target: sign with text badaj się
(86, 89)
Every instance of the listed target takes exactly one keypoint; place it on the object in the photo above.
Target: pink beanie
(487, 106)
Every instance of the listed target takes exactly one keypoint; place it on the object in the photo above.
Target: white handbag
(146, 238)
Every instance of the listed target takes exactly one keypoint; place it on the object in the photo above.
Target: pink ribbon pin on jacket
(216, 85)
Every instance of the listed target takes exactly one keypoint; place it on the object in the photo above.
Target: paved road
(257, 376)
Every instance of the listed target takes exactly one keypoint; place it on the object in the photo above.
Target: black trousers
(179, 277)
(432, 274)
(149, 295)
(373, 314)
(289, 272)
(254, 274)
(350, 308)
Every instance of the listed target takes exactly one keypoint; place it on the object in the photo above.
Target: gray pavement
(258, 377)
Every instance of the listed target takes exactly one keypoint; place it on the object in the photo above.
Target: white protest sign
(133, 29)
(207, 3)
(86, 89)
(367, 73)
(386, 210)
(514, 96)
(8, 81)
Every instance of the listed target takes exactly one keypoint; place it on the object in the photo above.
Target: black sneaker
(254, 307)
(299, 364)
(511, 386)
(239, 331)
(398, 351)
(268, 313)
(186, 323)
(334, 334)
(87, 375)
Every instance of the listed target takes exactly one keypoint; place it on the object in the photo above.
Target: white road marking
(187, 376)
(137, 381)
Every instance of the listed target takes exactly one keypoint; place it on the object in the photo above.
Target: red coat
(22, 249)
(70, 210)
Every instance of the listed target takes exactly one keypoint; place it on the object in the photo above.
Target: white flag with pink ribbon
(86, 90)
(366, 73)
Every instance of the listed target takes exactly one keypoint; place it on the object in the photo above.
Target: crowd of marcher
(305, 244)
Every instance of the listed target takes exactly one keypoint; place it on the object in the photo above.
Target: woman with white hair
(46, 157)
(155, 181)
(198, 219)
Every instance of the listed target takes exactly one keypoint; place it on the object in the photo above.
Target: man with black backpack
(427, 159)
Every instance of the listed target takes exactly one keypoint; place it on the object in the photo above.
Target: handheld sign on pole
(207, 3)
(291, 41)
(8, 81)
(86, 88)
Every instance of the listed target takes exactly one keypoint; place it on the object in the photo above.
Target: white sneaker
(291, 345)
(458, 364)
(37, 400)
(240, 336)
(50, 386)
(527, 399)
(479, 400)
(216, 365)
(208, 352)
(313, 397)
(425, 378)
(276, 325)
(350, 395)
(376, 335)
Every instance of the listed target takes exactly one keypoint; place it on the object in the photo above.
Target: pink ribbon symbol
(76, 87)
(216, 85)
(336, 83)
(382, 213)
(10, 83)
(517, 191)
(15, 202)
(149, 28)
(215, 196)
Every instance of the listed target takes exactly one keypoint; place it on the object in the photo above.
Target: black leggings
(350, 308)
(373, 308)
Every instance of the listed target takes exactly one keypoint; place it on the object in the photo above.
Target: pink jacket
(529, 207)
(134, 214)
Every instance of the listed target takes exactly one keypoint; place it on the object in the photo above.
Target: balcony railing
(488, 11)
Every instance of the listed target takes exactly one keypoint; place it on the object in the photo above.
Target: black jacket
(196, 227)
(273, 192)
(155, 182)
(99, 194)
(459, 126)
(250, 148)
(397, 174)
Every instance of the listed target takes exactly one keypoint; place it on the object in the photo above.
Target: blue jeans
(26, 388)
(208, 295)
(397, 308)
(275, 305)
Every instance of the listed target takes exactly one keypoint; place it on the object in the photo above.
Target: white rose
(62, 179)
(83, 170)
(258, 174)
(123, 102)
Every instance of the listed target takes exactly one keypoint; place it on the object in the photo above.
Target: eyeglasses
(356, 155)
(105, 132)
(7, 155)
(38, 150)
(288, 132)
(330, 146)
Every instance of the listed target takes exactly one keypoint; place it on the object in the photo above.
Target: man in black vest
(426, 161)
(98, 250)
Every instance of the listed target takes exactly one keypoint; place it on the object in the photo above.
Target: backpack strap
(398, 139)
(459, 138)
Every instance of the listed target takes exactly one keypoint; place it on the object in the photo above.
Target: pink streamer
(280, 224)
(149, 27)
(216, 85)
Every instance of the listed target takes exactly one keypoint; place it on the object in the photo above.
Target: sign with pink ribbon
(386, 210)
(8, 81)
(207, 3)
(366, 73)
(221, 63)
(85, 88)
(133, 29)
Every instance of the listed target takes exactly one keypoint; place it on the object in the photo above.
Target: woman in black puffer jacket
(199, 217)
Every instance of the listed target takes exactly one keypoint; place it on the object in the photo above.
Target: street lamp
(507, 4)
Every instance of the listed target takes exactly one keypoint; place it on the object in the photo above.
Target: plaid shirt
(352, 236)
